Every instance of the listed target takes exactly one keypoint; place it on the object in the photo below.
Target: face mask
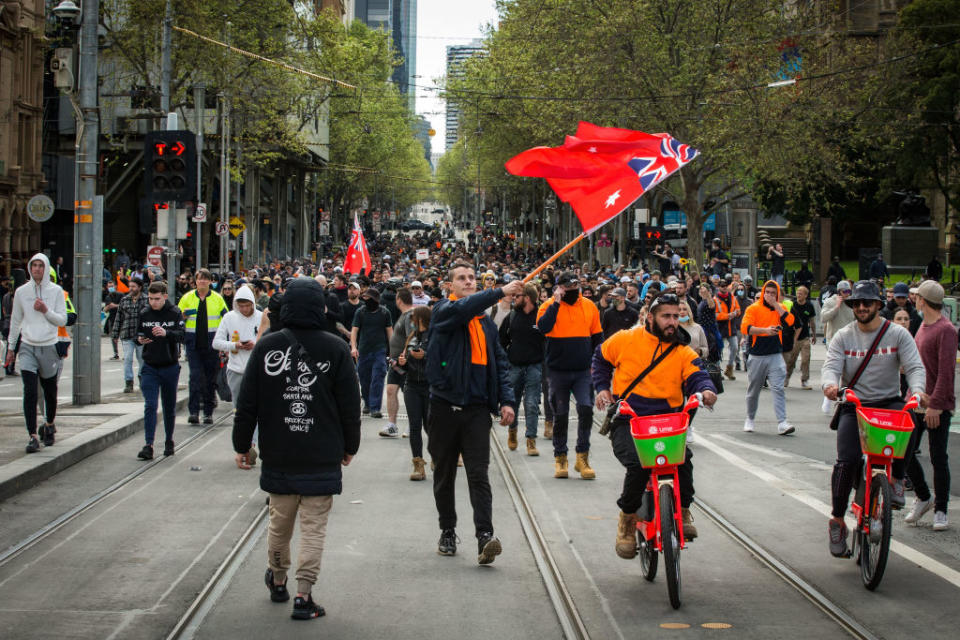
(111, 289)
(571, 296)
(684, 319)
(371, 304)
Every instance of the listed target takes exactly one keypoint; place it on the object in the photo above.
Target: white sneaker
(748, 425)
(690, 436)
(390, 432)
(940, 521)
(917, 510)
(785, 428)
(405, 434)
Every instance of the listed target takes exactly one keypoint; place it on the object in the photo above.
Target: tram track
(68, 516)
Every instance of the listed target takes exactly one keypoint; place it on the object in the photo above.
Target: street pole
(224, 178)
(88, 222)
(241, 235)
(199, 102)
(170, 124)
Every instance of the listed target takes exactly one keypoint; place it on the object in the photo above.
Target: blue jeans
(526, 382)
(162, 382)
(131, 348)
(372, 368)
(562, 383)
(204, 366)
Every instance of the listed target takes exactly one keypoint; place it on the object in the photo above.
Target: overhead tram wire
(256, 56)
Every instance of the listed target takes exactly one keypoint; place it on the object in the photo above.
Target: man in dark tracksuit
(468, 373)
(301, 386)
(572, 327)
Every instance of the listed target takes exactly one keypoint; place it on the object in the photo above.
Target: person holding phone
(241, 323)
(416, 389)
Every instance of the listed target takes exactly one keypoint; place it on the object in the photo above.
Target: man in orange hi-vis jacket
(571, 324)
(762, 325)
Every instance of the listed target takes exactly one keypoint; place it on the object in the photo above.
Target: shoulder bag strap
(300, 352)
(650, 368)
(870, 352)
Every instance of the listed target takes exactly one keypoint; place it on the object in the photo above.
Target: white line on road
(909, 553)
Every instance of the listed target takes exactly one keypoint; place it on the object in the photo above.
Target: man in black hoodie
(301, 386)
(160, 331)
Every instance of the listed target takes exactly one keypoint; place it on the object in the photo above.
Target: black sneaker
(448, 543)
(376, 414)
(146, 453)
(168, 448)
(34, 445)
(46, 434)
(115, 357)
(306, 609)
(193, 420)
(838, 540)
(278, 592)
(207, 419)
(366, 410)
(488, 548)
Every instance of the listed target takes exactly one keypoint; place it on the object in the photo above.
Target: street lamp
(67, 10)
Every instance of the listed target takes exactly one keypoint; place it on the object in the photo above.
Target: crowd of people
(304, 350)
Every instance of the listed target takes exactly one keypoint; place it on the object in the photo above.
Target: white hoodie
(35, 328)
(245, 326)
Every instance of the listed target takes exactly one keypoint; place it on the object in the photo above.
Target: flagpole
(554, 257)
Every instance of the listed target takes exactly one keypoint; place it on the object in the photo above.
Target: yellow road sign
(236, 226)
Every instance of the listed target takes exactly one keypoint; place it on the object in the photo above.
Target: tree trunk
(693, 209)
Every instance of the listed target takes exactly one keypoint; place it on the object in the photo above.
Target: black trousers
(454, 431)
(416, 398)
(635, 481)
(938, 458)
(49, 385)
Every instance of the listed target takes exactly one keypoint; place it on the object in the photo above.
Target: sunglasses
(664, 298)
(862, 303)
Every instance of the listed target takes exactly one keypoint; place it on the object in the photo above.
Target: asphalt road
(131, 566)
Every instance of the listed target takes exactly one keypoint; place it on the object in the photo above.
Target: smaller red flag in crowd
(601, 170)
(358, 258)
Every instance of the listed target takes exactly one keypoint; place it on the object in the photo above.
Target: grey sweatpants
(762, 368)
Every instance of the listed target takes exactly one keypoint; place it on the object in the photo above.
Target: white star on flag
(592, 149)
(612, 199)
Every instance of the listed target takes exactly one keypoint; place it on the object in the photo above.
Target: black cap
(864, 290)
(568, 278)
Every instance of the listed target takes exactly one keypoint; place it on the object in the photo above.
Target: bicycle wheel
(671, 544)
(875, 545)
(648, 558)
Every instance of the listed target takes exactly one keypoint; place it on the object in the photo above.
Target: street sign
(325, 216)
(324, 228)
(221, 228)
(40, 208)
(236, 226)
(200, 212)
(155, 255)
(423, 254)
(478, 229)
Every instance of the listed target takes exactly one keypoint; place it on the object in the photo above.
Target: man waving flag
(602, 170)
(358, 258)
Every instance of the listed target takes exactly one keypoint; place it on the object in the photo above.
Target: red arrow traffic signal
(178, 148)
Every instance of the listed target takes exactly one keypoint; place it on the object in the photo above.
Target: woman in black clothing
(416, 389)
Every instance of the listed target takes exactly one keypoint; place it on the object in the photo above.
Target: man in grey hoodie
(39, 308)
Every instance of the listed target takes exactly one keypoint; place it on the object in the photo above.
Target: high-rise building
(399, 19)
(456, 56)
(421, 131)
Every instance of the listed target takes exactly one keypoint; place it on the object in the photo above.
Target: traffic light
(654, 234)
(170, 163)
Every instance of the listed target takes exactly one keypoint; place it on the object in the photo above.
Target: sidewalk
(81, 432)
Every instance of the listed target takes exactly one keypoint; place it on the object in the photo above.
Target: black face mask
(571, 296)
(372, 304)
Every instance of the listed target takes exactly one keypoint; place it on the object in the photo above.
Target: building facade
(456, 56)
(21, 114)
(399, 19)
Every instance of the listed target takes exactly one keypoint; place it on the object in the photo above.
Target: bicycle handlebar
(847, 395)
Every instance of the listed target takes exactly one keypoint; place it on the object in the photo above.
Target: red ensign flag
(601, 170)
(358, 258)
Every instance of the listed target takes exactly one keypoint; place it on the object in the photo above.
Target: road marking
(904, 551)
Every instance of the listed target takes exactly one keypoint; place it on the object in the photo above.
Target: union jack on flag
(358, 258)
(602, 170)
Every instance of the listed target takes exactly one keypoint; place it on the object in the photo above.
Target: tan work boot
(627, 536)
(583, 466)
(419, 472)
(512, 438)
(689, 529)
(729, 372)
(532, 447)
(548, 429)
(560, 467)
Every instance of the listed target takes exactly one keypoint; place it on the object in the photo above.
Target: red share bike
(661, 443)
(884, 435)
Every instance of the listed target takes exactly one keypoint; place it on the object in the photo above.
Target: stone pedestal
(909, 246)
